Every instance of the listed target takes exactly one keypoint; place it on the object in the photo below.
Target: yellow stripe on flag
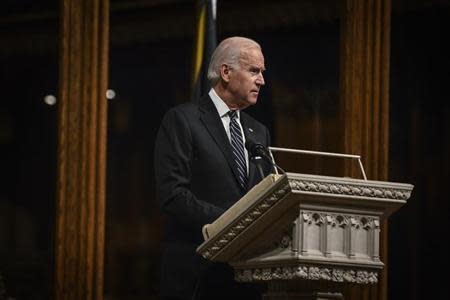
(200, 44)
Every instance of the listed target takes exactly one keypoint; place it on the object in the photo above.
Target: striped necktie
(237, 145)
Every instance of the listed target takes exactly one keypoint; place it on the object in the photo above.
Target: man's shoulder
(183, 110)
(192, 108)
(249, 120)
(185, 107)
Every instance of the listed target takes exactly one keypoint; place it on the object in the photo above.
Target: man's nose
(260, 80)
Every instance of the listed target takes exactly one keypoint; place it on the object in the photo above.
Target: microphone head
(254, 148)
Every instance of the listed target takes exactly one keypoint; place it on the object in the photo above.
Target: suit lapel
(211, 120)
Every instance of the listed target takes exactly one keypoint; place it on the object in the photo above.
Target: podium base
(300, 290)
(303, 296)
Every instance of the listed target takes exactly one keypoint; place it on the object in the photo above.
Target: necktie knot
(232, 114)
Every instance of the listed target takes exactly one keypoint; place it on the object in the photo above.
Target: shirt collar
(221, 106)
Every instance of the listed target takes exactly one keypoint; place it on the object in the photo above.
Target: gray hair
(228, 52)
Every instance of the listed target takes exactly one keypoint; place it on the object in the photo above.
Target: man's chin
(248, 102)
(253, 101)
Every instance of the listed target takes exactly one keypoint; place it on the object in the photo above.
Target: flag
(205, 43)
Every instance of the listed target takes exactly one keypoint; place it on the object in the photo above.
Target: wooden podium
(305, 235)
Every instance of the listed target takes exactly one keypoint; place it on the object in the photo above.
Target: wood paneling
(82, 123)
(364, 94)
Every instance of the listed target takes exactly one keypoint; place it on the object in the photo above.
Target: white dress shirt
(222, 109)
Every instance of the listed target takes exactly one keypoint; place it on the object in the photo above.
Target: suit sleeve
(173, 165)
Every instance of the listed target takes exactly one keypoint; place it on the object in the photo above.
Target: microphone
(257, 149)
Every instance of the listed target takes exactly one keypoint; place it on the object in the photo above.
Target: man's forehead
(252, 57)
(253, 64)
(253, 52)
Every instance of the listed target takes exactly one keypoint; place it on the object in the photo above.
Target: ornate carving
(349, 276)
(337, 220)
(333, 220)
(245, 221)
(285, 241)
(301, 272)
(337, 275)
(376, 224)
(349, 189)
(306, 217)
(314, 273)
(366, 223)
(366, 277)
(354, 222)
(363, 222)
(307, 272)
(319, 218)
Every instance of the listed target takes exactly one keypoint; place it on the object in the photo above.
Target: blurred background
(150, 70)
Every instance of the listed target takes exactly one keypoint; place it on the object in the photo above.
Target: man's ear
(225, 72)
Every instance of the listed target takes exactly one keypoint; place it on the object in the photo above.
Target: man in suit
(202, 169)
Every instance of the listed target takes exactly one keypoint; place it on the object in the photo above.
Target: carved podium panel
(297, 227)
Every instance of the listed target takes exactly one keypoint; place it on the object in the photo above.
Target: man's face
(245, 82)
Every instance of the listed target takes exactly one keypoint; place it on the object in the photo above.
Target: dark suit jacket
(196, 180)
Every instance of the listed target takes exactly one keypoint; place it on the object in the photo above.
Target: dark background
(150, 66)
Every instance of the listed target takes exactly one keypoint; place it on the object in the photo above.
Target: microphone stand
(258, 161)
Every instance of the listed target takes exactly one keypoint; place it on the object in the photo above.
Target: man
(202, 168)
